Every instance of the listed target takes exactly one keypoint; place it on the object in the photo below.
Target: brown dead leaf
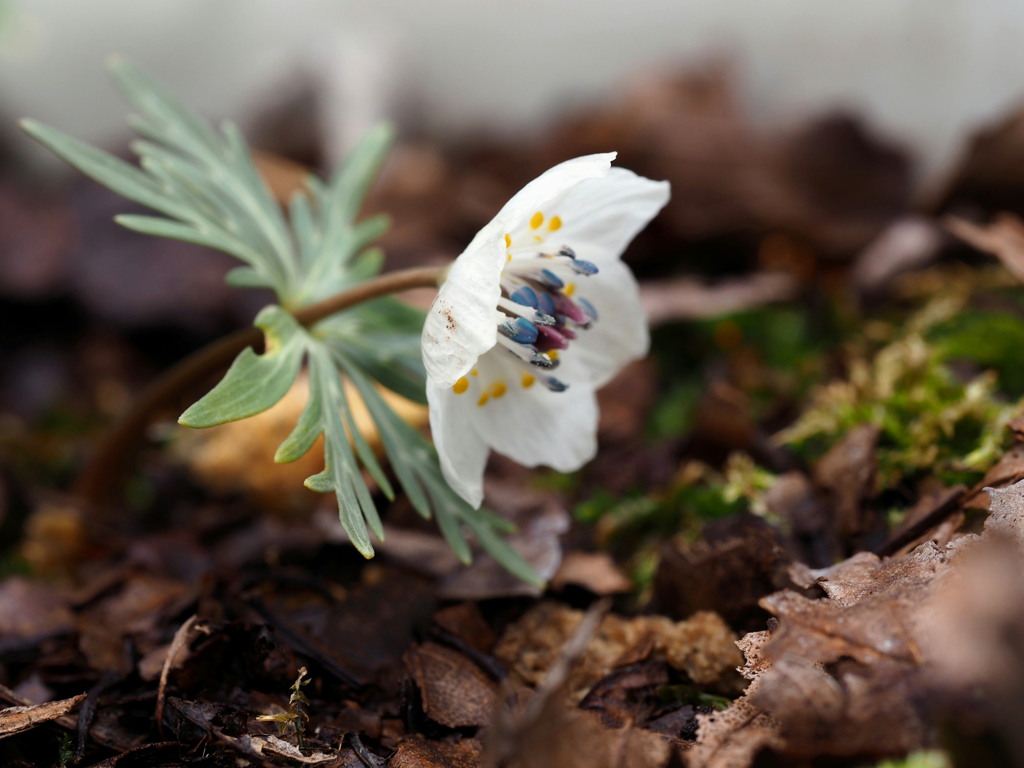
(17, 719)
(846, 675)
(628, 695)
(436, 754)
(1009, 469)
(683, 298)
(30, 609)
(847, 473)
(702, 647)
(135, 611)
(735, 563)
(453, 690)
(909, 242)
(595, 571)
(465, 621)
(541, 731)
(1003, 238)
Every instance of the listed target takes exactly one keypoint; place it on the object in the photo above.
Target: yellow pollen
(460, 386)
(537, 220)
(508, 240)
(483, 399)
(528, 380)
(497, 389)
(474, 372)
(553, 354)
(538, 239)
(569, 289)
(508, 257)
(555, 223)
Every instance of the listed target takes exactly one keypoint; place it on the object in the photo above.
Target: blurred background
(813, 151)
(923, 73)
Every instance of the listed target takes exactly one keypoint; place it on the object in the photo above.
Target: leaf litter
(855, 570)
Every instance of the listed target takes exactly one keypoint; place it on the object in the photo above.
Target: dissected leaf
(254, 382)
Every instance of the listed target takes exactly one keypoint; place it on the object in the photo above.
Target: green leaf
(122, 178)
(254, 382)
(356, 509)
(301, 439)
(383, 337)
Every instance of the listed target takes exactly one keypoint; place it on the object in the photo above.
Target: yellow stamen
(508, 240)
(528, 380)
(483, 399)
(497, 389)
(460, 386)
(555, 223)
(553, 354)
(537, 220)
(508, 257)
(474, 372)
(569, 289)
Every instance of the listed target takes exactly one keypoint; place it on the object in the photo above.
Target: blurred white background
(923, 72)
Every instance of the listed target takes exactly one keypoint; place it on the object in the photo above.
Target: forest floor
(785, 553)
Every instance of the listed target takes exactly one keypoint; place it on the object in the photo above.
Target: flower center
(542, 313)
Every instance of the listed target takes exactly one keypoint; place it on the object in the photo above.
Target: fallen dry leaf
(1003, 238)
(453, 690)
(702, 647)
(595, 571)
(17, 719)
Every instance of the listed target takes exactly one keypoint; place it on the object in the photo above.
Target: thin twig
(181, 639)
(102, 475)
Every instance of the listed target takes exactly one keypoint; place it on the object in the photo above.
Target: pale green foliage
(209, 191)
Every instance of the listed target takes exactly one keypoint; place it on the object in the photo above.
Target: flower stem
(102, 475)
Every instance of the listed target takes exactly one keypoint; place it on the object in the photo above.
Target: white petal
(534, 425)
(461, 450)
(551, 184)
(462, 322)
(601, 216)
(620, 333)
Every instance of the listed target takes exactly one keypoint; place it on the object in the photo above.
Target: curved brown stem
(102, 474)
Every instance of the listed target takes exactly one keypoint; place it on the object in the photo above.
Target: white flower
(535, 315)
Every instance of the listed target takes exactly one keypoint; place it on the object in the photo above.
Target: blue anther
(519, 330)
(550, 278)
(587, 307)
(524, 295)
(545, 304)
(554, 384)
(582, 267)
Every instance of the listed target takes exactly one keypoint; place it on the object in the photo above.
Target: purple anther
(565, 306)
(549, 338)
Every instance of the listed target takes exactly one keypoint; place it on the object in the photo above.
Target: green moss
(930, 419)
(633, 527)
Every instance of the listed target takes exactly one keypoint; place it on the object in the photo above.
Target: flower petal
(463, 320)
(620, 334)
(535, 425)
(461, 450)
(550, 185)
(601, 216)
